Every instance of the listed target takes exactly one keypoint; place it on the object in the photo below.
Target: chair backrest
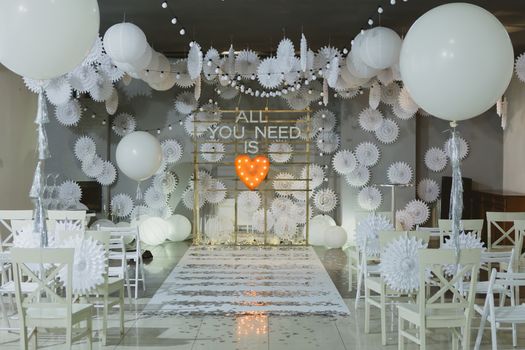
(474, 226)
(519, 226)
(494, 220)
(489, 258)
(54, 259)
(6, 218)
(73, 215)
(385, 237)
(433, 261)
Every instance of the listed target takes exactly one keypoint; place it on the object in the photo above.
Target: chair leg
(359, 283)
(367, 310)
(400, 329)
(4, 311)
(514, 335)
(128, 287)
(454, 341)
(383, 316)
(105, 313)
(89, 323)
(493, 332)
(142, 273)
(69, 336)
(136, 278)
(121, 311)
(350, 273)
(481, 328)
(466, 338)
(422, 337)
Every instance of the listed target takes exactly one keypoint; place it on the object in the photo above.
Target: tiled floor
(248, 332)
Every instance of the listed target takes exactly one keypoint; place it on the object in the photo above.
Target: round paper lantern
(328, 219)
(153, 231)
(179, 228)
(335, 237)
(357, 67)
(125, 42)
(380, 48)
(157, 70)
(139, 155)
(456, 61)
(43, 39)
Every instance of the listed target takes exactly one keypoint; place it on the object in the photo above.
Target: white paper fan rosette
(388, 131)
(154, 198)
(69, 192)
(121, 205)
(299, 193)
(374, 95)
(89, 264)
(58, 91)
(212, 152)
(194, 60)
(399, 264)
(428, 190)
(258, 220)
(165, 182)
(328, 142)
(246, 64)
(269, 73)
(68, 225)
(82, 78)
(281, 205)
(466, 241)
(108, 175)
(404, 219)
(124, 124)
(285, 227)
(182, 76)
(211, 65)
(69, 113)
(406, 102)
(216, 192)
(316, 175)
(519, 67)
(285, 55)
(102, 89)
(369, 198)
(171, 151)
(344, 162)
(367, 154)
(283, 183)
(418, 210)
(280, 152)
(435, 159)
(359, 177)
(93, 167)
(249, 201)
(390, 93)
(399, 173)
(185, 103)
(188, 198)
(367, 233)
(401, 113)
(370, 119)
(325, 200)
(463, 148)
(85, 148)
(323, 120)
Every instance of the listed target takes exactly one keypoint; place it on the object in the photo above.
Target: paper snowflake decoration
(211, 65)
(188, 198)
(285, 55)
(280, 152)
(83, 78)
(300, 192)
(399, 264)
(292, 76)
(58, 91)
(519, 67)
(108, 175)
(328, 142)
(325, 200)
(390, 93)
(406, 102)
(141, 211)
(298, 213)
(121, 205)
(258, 220)
(165, 182)
(35, 85)
(249, 201)
(69, 113)
(419, 211)
(325, 59)
(89, 264)
(435, 159)
(110, 68)
(124, 124)
(154, 198)
(428, 190)
(463, 148)
(281, 205)
(466, 241)
(367, 154)
(204, 178)
(359, 177)
(401, 113)
(93, 167)
(212, 152)
(302, 124)
(69, 192)
(102, 89)
(344, 162)
(388, 131)
(374, 96)
(283, 183)
(194, 60)
(164, 212)
(185, 103)
(369, 198)
(316, 174)
(269, 73)
(182, 76)
(68, 225)
(285, 227)
(246, 64)
(399, 173)
(171, 151)
(323, 120)
(348, 94)
(216, 192)
(135, 89)
(367, 233)
(404, 219)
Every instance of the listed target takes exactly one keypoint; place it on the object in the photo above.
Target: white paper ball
(125, 42)
(153, 231)
(329, 220)
(179, 228)
(335, 237)
(380, 48)
(139, 155)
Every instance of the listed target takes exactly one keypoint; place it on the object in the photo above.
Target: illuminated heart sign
(252, 171)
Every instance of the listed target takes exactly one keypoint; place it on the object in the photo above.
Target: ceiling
(260, 24)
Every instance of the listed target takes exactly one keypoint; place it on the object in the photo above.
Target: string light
(164, 5)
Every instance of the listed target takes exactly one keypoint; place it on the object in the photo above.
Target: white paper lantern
(125, 42)
(380, 48)
(153, 231)
(335, 237)
(179, 228)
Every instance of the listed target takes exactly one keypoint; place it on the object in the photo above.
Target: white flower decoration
(344, 162)
(212, 151)
(58, 91)
(316, 175)
(68, 225)
(388, 131)
(328, 142)
(418, 210)
(110, 69)
(519, 67)
(69, 113)
(399, 264)
(93, 167)
(85, 148)
(188, 198)
(269, 73)
(466, 241)
(205, 180)
(69, 192)
(390, 93)
(367, 233)
(83, 78)
(367, 154)
(281, 205)
(401, 113)
(155, 199)
(463, 148)
(359, 177)
(435, 159)
(293, 75)
(282, 183)
(194, 60)
(406, 102)
(121, 205)
(428, 190)
(406, 220)
(108, 175)
(185, 103)
(374, 95)
(246, 64)
(298, 213)
(102, 89)
(182, 76)
(216, 192)
(280, 152)
(285, 55)
(136, 88)
(171, 151)
(249, 201)
(211, 65)
(285, 227)
(369, 198)
(165, 182)
(370, 119)
(124, 124)
(325, 59)
(323, 120)
(325, 200)
(258, 220)
(35, 85)
(399, 173)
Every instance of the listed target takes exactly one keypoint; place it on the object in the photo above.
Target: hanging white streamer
(456, 193)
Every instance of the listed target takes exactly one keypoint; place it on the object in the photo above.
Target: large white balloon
(380, 48)
(456, 61)
(335, 237)
(153, 231)
(139, 155)
(125, 43)
(317, 228)
(179, 228)
(43, 39)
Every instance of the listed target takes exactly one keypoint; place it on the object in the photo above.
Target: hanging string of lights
(173, 18)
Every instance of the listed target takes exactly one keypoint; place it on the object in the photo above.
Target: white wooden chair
(53, 310)
(434, 311)
(6, 217)
(496, 315)
(473, 226)
(377, 284)
(507, 236)
(73, 215)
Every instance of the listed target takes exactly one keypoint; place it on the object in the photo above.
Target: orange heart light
(252, 171)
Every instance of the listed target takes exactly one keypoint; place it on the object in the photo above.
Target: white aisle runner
(243, 280)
